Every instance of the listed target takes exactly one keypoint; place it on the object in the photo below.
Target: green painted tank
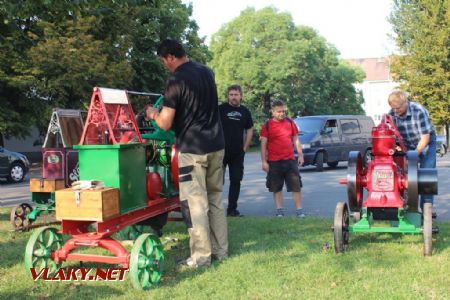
(120, 166)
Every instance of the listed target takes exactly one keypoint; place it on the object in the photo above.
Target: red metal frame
(81, 237)
(109, 123)
(121, 256)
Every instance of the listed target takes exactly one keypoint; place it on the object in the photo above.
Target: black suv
(13, 165)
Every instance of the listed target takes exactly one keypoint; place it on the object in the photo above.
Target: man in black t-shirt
(237, 126)
(191, 107)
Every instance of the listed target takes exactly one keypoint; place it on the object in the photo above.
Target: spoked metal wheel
(146, 261)
(427, 229)
(341, 227)
(42, 243)
(354, 180)
(19, 216)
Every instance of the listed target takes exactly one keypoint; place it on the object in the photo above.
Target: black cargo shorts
(282, 171)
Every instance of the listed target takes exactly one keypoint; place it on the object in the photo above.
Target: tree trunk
(1, 140)
(266, 103)
(447, 134)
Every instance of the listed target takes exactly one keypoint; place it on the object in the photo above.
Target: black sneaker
(187, 262)
(234, 213)
(280, 212)
(300, 213)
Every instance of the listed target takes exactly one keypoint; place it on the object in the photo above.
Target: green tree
(271, 57)
(53, 52)
(422, 33)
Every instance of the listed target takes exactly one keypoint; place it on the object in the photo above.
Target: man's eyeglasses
(399, 106)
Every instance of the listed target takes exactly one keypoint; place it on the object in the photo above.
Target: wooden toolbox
(42, 185)
(87, 205)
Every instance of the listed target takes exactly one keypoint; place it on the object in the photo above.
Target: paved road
(321, 191)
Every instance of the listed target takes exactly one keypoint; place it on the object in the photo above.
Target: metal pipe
(144, 94)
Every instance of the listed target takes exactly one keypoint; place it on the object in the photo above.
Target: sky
(357, 28)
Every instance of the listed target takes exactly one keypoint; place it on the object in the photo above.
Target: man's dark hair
(234, 87)
(147, 105)
(277, 102)
(170, 47)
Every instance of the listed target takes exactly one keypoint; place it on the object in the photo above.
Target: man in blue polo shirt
(414, 124)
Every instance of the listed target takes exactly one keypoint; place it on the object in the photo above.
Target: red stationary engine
(393, 182)
(391, 178)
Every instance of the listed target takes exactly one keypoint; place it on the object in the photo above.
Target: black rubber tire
(427, 229)
(16, 167)
(319, 162)
(332, 164)
(367, 157)
(442, 150)
(341, 225)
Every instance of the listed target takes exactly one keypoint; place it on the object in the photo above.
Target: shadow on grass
(295, 240)
(70, 292)
(12, 249)
(5, 215)
(379, 250)
(298, 240)
(252, 235)
(440, 243)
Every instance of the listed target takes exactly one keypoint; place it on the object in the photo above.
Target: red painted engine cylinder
(383, 141)
(154, 185)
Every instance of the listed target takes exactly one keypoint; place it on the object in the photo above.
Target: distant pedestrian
(237, 127)
(278, 135)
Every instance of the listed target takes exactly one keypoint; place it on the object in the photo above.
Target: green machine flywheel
(146, 261)
(39, 248)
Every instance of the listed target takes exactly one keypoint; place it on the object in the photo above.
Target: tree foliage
(422, 32)
(52, 52)
(272, 58)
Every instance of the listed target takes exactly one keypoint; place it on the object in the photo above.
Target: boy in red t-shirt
(278, 135)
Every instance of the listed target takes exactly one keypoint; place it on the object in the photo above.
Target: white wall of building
(375, 95)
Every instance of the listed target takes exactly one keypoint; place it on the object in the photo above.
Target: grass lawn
(270, 258)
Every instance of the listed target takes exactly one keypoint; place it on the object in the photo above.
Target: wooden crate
(91, 205)
(42, 185)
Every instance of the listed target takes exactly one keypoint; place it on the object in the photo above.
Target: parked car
(13, 165)
(329, 139)
(441, 145)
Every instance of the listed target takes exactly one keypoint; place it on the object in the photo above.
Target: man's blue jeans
(427, 159)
